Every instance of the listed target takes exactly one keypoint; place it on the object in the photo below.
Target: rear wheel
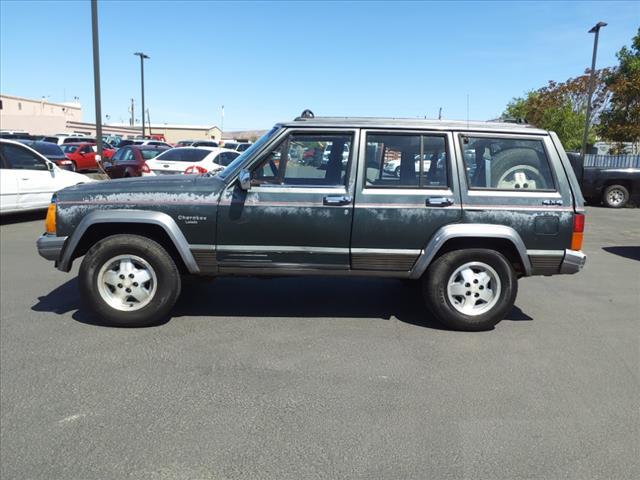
(471, 289)
(129, 281)
(615, 196)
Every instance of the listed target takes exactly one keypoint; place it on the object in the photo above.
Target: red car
(128, 161)
(83, 155)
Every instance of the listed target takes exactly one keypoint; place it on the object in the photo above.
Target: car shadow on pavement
(290, 297)
(627, 252)
(11, 218)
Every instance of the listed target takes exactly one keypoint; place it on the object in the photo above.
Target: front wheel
(129, 281)
(470, 289)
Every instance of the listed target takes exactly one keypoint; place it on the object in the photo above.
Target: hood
(143, 189)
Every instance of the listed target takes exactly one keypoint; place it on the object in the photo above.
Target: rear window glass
(184, 155)
(150, 153)
(48, 149)
(506, 164)
(68, 148)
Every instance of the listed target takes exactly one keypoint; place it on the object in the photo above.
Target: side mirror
(50, 166)
(244, 179)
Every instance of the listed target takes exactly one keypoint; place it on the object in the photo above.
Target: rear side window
(184, 155)
(406, 161)
(506, 164)
(150, 153)
(21, 158)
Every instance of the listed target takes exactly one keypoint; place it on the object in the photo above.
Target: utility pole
(142, 57)
(132, 112)
(595, 29)
(96, 75)
(149, 121)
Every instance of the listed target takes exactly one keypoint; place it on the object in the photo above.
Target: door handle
(336, 200)
(439, 202)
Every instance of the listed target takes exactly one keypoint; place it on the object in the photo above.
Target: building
(37, 116)
(49, 118)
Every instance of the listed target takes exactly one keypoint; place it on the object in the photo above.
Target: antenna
(467, 110)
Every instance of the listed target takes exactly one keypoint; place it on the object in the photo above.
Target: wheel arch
(155, 225)
(459, 236)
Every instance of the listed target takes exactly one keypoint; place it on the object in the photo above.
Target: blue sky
(267, 61)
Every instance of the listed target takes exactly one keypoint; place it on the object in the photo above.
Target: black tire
(435, 280)
(615, 196)
(167, 273)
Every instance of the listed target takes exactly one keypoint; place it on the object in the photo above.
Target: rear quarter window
(500, 163)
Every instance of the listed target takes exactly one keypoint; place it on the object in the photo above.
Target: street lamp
(142, 57)
(595, 29)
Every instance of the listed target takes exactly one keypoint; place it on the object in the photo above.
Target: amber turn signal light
(50, 221)
(578, 231)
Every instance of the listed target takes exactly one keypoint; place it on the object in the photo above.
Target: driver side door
(296, 215)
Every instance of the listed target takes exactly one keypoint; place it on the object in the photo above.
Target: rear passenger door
(402, 201)
(517, 180)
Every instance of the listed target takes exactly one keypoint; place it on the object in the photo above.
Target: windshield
(248, 152)
(68, 148)
(184, 155)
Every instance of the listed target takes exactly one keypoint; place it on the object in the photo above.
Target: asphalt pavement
(323, 378)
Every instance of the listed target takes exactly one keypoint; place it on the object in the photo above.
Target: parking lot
(323, 378)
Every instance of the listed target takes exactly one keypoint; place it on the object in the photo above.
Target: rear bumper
(50, 246)
(572, 262)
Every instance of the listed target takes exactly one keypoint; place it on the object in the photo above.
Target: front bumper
(50, 246)
(572, 262)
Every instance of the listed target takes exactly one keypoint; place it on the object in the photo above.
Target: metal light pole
(142, 57)
(96, 74)
(595, 29)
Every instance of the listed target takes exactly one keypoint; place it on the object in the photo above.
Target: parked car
(156, 143)
(242, 147)
(200, 159)
(128, 161)
(28, 179)
(185, 143)
(83, 155)
(15, 135)
(204, 143)
(466, 238)
(613, 186)
(51, 152)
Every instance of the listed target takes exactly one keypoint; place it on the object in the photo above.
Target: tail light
(578, 231)
(145, 168)
(195, 169)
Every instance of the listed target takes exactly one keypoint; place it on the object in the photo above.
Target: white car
(189, 160)
(28, 180)
(154, 143)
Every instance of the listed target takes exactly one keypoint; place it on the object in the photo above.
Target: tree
(561, 107)
(620, 122)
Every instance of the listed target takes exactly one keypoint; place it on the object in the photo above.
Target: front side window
(118, 155)
(69, 148)
(21, 158)
(406, 161)
(320, 159)
(506, 164)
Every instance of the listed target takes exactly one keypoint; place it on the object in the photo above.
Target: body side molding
(160, 219)
(469, 230)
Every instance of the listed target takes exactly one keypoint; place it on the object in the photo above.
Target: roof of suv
(413, 123)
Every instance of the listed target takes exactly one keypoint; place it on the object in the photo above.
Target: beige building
(175, 133)
(49, 118)
(37, 116)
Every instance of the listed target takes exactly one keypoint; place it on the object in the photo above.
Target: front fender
(160, 219)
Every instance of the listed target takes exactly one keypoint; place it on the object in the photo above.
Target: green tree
(561, 107)
(620, 122)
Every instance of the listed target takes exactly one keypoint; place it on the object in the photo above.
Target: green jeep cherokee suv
(464, 208)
